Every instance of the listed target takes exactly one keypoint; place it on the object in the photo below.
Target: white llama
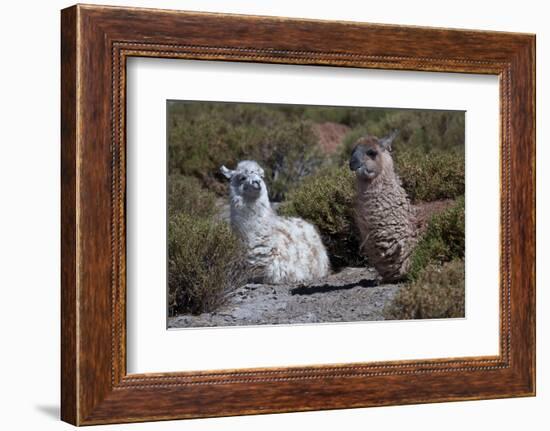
(279, 249)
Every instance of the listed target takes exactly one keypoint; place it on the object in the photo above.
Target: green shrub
(203, 136)
(185, 194)
(425, 176)
(349, 116)
(419, 130)
(327, 199)
(428, 152)
(443, 240)
(422, 130)
(431, 176)
(288, 153)
(438, 292)
(204, 264)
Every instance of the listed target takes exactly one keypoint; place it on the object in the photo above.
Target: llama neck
(386, 194)
(386, 180)
(250, 216)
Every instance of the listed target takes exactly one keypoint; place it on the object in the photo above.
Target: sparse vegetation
(431, 176)
(326, 199)
(437, 292)
(443, 240)
(428, 152)
(203, 252)
(204, 136)
(422, 130)
(351, 117)
(185, 194)
(203, 264)
(289, 154)
(419, 130)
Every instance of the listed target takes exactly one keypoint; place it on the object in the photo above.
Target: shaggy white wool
(279, 249)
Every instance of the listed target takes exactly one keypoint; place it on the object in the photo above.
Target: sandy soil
(330, 135)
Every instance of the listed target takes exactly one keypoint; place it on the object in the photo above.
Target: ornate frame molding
(96, 41)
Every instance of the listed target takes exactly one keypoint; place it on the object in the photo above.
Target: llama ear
(386, 141)
(227, 173)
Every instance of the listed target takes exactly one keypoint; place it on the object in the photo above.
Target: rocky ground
(350, 295)
(353, 294)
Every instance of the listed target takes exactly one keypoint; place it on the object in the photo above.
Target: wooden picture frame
(95, 43)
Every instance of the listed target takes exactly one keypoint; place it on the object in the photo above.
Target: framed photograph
(264, 214)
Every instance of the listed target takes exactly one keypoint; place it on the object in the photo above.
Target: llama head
(247, 180)
(371, 156)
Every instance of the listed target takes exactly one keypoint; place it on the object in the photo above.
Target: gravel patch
(348, 296)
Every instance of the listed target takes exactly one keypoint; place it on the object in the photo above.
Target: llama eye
(372, 153)
(241, 178)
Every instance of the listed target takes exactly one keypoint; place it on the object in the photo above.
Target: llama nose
(355, 162)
